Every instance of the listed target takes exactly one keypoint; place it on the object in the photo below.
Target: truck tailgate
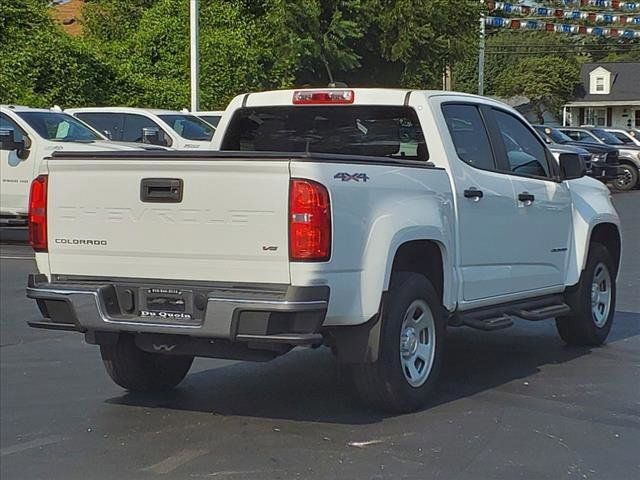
(122, 218)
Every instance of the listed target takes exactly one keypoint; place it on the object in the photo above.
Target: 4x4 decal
(347, 177)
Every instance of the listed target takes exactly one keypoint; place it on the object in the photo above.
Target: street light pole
(194, 54)
(481, 55)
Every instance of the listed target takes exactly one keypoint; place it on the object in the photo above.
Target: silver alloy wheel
(624, 179)
(417, 343)
(600, 295)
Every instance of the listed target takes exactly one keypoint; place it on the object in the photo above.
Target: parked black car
(628, 155)
(604, 159)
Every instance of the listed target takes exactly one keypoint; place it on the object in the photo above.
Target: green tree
(321, 34)
(238, 52)
(41, 65)
(548, 82)
(424, 37)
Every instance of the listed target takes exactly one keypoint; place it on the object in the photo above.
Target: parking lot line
(38, 442)
(169, 464)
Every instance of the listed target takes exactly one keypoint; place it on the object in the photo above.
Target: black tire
(580, 327)
(383, 384)
(140, 371)
(627, 179)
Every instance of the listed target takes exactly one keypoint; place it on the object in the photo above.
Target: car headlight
(599, 157)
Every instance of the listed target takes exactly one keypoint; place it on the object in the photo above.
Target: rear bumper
(248, 313)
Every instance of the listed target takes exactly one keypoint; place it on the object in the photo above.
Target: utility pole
(194, 35)
(481, 55)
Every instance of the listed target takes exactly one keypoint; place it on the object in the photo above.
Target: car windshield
(189, 126)
(623, 137)
(554, 134)
(377, 131)
(59, 127)
(606, 137)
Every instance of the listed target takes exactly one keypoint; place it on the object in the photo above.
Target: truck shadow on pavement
(308, 385)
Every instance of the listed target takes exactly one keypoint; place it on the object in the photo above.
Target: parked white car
(368, 220)
(169, 128)
(28, 136)
(212, 117)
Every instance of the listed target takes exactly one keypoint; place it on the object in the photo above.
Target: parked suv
(628, 156)
(628, 137)
(366, 220)
(178, 130)
(603, 159)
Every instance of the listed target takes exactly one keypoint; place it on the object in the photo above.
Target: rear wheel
(627, 177)
(411, 348)
(140, 371)
(592, 301)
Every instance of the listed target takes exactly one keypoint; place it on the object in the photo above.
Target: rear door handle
(473, 193)
(161, 190)
(526, 197)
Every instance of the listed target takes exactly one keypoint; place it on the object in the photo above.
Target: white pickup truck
(27, 135)
(367, 220)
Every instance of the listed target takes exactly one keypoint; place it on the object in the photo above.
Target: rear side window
(108, 123)
(381, 131)
(212, 120)
(469, 135)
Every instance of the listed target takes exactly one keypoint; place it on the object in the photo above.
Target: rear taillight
(322, 97)
(38, 214)
(309, 221)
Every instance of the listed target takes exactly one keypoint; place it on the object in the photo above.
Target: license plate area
(169, 304)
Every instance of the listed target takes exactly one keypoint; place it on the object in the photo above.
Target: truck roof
(361, 96)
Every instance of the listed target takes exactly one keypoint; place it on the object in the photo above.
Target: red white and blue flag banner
(591, 17)
(554, 12)
(524, 24)
(613, 4)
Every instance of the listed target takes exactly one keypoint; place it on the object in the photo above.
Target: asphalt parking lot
(514, 404)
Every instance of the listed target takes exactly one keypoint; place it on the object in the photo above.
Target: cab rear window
(378, 131)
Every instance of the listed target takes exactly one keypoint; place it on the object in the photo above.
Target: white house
(608, 97)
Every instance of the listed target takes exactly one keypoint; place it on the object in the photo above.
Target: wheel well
(628, 161)
(424, 257)
(608, 235)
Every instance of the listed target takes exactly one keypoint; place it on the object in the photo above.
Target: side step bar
(502, 316)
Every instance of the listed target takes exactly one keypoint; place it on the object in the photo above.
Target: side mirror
(151, 135)
(571, 166)
(108, 134)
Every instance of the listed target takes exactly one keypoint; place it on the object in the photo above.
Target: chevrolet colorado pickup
(366, 220)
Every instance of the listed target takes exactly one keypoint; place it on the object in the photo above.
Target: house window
(596, 116)
(600, 81)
